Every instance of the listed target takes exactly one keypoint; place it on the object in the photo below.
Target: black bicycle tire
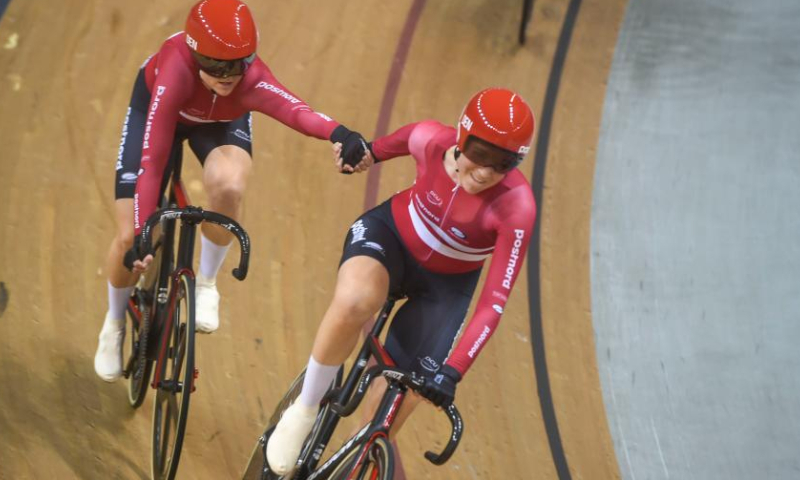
(139, 376)
(168, 471)
(380, 454)
(143, 295)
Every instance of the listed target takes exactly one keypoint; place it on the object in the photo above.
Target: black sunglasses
(223, 68)
(485, 154)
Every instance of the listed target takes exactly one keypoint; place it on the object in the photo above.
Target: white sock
(118, 301)
(211, 258)
(318, 378)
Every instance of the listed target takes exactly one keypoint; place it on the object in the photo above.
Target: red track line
(390, 93)
(387, 105)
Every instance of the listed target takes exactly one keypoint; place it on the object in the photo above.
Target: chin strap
(456, 154)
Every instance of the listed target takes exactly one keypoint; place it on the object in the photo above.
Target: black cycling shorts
(202, 139)
(424, 329)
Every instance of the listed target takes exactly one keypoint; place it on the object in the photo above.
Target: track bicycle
(368, 454)
(161, 326)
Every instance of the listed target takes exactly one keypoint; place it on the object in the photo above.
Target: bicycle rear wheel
(176, 363)
(138, 366)
(375, 461)
(257, 466)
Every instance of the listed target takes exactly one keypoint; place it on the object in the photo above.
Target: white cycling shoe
(283, 448)
(108, 359)
(206, 305)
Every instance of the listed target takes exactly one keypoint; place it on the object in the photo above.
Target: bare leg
(225, 175)
(361, 289)
(108, 358)
(225, 178)
(118, 275)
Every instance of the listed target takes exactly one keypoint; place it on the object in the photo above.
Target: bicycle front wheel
(176, 380)
(257, 466)
(375, 461)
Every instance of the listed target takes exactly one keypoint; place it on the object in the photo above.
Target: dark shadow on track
(68, 396)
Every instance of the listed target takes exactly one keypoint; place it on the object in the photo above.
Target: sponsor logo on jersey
(466, 122)
(524, 150)
(512, 259)
(434, 198)
(375, 246)
(429, 364)
(499, 295)
(458, 233)
(425, 209)
(136, 210)
(191, 42)
(358, 230)
(153, 107)
(242, 134)
(122, 140)
(484, 335)
(278, 91)
(497, 308)
(128, 177)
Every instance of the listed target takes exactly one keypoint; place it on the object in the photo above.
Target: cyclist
(429, 243)
(200, 86)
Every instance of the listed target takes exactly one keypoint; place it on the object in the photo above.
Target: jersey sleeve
(268, 96)
(411, 139)
(167, 96)
(513, 237)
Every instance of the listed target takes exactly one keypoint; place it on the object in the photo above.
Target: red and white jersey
(448, 230)
(178, 95)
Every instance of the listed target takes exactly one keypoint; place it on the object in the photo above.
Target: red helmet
(221, 29)
(500, 117)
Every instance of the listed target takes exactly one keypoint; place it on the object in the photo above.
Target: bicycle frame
(169, 273)
(343, 396)
(381, 424)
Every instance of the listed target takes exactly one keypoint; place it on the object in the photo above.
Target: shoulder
(258, 79)
(514, 199)
(174, 57)
(258, 74)
(428, 135)
(175, 46)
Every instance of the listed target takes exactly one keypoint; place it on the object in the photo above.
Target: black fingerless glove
(353, 145)
(441, 389)
(133, 254)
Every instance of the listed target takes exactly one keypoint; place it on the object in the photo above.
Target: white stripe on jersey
(431, 241)
(442, 234)
(200, 120)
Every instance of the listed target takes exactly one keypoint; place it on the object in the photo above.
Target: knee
(225, 190)
(354, 307)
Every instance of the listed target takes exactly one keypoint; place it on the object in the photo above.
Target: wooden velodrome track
(66, 71)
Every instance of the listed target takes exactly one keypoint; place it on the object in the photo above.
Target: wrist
(451, 372)
(339, 134)
(372, 152)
